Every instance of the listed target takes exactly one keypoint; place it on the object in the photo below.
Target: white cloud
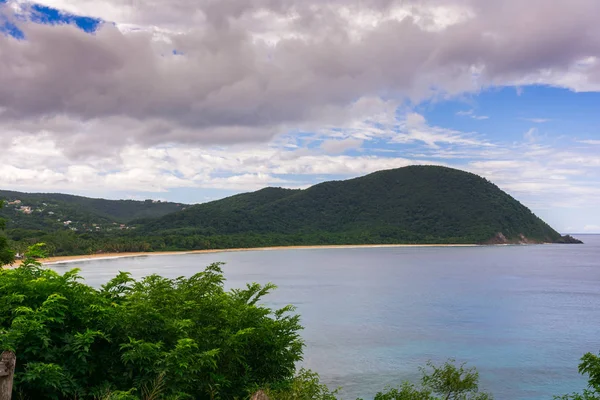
(591, 229)
(471, 114)
(537, 120)
(160, 169)
(531, 135)
(415, 129)
(544, 176)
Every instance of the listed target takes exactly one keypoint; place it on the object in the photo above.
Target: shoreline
(110, 256)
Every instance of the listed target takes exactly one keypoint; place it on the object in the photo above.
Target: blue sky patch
(9, 28)
(42, 15)
(48, 15)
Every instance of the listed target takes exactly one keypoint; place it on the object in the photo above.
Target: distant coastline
(110, 256)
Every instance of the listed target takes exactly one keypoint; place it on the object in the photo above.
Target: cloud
(341, 146)
(471, 114)
(591, 229)
(42, 165)
(416, 129)
(292, 160)
(531, 135)
(249, 71)
(590, 141)
(537, 120)
(544, 176)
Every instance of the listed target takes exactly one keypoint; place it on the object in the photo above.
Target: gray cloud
(251, 69)
(340, 146)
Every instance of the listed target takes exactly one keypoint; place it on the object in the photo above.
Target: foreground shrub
(184, 338)
(306, 385)
(448, 381)
(590, 366)
(445, 382)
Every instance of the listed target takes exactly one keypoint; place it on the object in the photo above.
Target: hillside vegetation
(33, 209)
(35, 215)
(417, 204)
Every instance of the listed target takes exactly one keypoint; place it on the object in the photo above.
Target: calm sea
(523, 315)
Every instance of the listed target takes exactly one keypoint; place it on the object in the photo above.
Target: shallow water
(523, 315)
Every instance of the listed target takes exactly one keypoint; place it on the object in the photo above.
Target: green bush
(306, 385)
(445, 382)
(186, 338)
(590, 366)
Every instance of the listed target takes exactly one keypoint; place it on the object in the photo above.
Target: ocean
(523, 315)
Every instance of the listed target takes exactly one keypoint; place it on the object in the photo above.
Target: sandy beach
(106, 256)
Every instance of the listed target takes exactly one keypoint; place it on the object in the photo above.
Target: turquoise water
(523, 315)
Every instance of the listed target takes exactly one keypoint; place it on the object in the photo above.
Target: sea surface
(523, 315)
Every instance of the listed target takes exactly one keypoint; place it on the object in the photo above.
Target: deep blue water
(523, 315)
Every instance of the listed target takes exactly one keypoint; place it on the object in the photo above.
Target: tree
(306, 385)
(446, 382)
(187, 338)
(452, 382)
(7, 256)
(590, 365)
(407, 391)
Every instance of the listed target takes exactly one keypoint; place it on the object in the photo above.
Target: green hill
(416, 204)
(50, 211)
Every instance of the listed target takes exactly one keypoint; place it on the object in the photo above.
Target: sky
(195, 100)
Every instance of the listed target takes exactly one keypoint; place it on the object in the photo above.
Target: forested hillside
(417, 204)
(51, 210)
(72, 224)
